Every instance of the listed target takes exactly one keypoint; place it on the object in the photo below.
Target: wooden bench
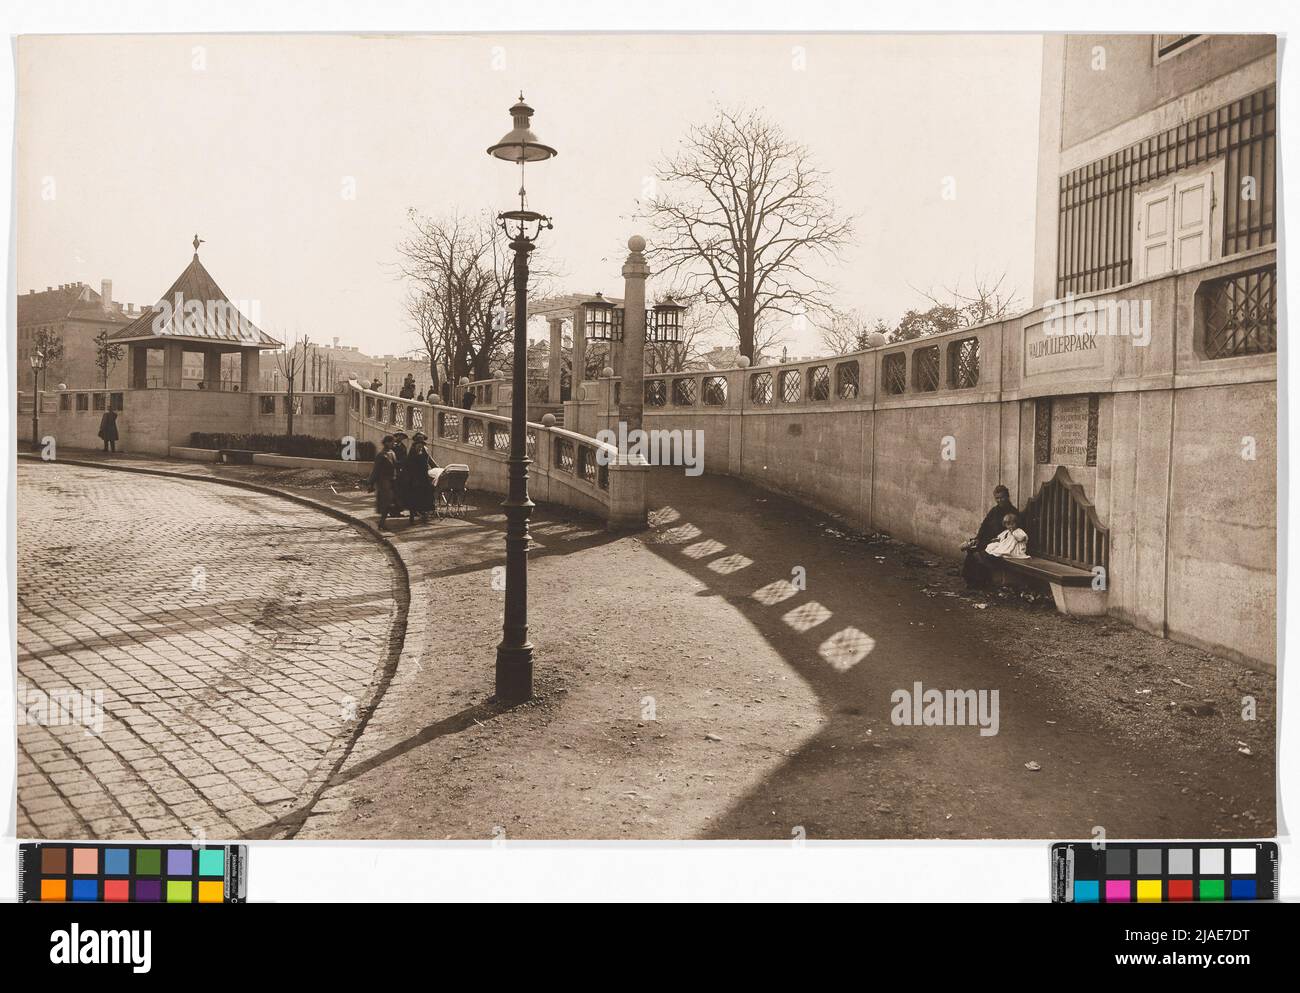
(235, 456)
(1070, 549)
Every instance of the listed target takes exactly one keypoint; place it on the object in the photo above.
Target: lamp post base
(514, 673)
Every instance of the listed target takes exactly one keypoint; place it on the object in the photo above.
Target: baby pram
(449, 489)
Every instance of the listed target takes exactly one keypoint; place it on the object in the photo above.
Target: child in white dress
(1012, 543)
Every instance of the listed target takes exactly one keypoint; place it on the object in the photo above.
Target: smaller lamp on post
(666, 322)
(38, 363)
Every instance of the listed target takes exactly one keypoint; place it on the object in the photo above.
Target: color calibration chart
(104, 873)
(1181, 872)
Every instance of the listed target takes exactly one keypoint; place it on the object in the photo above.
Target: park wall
(1175, 445)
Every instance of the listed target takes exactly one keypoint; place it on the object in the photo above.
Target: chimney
(106, 291)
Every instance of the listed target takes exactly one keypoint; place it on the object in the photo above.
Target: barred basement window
(83, 401)
(684, 392)
(98, 401)
(964, 363)
(117, 402)
(656, 393)
(925, 369)
(789, 380)
(1239, 314)
(715, 391)
(65, 401)
(760, 388)
(846, 380)
(893, 370)
(819, 382)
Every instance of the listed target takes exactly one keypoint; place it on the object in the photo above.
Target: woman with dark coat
(976, 570)
(108, 429)
(415, 486)
(383, 479)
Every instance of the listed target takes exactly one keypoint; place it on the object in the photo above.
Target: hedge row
(301, 445)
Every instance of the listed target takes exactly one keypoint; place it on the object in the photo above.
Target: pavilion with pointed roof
(194, 315)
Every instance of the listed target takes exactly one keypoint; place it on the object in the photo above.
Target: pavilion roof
(215, 319)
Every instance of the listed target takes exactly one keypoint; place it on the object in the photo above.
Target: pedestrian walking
(415, 484)
(383, 479)
(108, 429)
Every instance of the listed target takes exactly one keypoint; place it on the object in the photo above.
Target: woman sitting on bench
(976, 569)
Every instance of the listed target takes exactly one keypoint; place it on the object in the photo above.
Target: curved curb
(293, 822)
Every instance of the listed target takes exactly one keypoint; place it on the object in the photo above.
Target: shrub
(301, 445)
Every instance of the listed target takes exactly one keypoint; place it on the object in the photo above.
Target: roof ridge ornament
(197, 242)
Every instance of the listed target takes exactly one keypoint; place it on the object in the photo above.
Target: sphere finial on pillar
(636, 243)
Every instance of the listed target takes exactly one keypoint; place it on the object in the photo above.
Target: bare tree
(465, 267)
(422, 315)
(952, 308)
(848, 331)
(292, 363)
(744, 216)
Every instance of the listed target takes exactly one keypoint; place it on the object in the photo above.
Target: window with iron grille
(65, 401)
(760, 388)
(1094, 249)
(789, 381)
(564, 457)
(656, 393)
(893, 369)
(1239, 314)
(587, 464)
(963, 363)
(83, 401)
(715, 391)
(117, 401)
(356, 400)
(530, 443)
(449, 425)
(819, 382)
(925, 369)
(370, 407)
(684, 392)
(99, 401)
(500, 435)
(474, 431)
(322, 405)
(846, 380)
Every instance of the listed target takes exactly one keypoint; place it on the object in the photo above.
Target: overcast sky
(127, 146)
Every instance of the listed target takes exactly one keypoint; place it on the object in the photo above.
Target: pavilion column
(212, 368)
(173, 364)
(554, 358)
(250, 370)
(632, 394)
(137, 366)
(579, 348)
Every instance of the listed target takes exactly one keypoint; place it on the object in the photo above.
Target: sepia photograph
(645, 436)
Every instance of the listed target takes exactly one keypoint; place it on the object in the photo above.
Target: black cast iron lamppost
(514, 676)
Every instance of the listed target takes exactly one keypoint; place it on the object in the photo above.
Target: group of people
(407, 391)
(404, 479)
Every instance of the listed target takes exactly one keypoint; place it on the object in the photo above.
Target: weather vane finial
(197, 242)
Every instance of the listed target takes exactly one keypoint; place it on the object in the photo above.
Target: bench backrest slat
(1063, 525)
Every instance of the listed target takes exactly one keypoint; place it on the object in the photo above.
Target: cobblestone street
(191, 657)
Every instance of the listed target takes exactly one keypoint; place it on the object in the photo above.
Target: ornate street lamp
(514, 673)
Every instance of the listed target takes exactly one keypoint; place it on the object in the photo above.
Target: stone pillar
(250, 370)
(173, 364)
(138, 366)
(579, 348)
(632, 396)
(554, 358)
(212, 368)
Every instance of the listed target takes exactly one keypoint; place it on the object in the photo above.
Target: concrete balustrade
(568, 469)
